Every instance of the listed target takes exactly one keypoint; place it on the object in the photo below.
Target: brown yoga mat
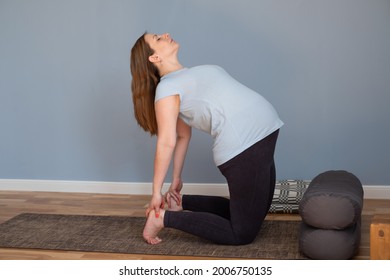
(119, 234)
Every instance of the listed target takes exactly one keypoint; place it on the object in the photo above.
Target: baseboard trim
(370, 191)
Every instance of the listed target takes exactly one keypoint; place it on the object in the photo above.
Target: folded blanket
(288, 195)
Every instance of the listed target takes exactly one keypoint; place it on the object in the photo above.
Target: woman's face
(163, 45)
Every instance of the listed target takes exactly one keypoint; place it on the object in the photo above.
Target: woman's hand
(156, 203)
(174, 192)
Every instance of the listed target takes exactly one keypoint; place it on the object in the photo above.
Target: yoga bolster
(333, 200)
(329, 244)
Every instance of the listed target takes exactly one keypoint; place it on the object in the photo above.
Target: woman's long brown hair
(145, 78)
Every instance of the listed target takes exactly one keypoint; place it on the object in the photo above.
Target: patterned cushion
(288, 195)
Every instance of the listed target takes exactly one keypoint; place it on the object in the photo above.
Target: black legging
(235, 221)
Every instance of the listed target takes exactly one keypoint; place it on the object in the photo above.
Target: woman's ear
(154, 58)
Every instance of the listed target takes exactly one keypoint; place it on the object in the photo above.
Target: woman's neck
(168, 67)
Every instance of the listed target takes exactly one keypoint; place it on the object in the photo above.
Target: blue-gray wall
(66, 111)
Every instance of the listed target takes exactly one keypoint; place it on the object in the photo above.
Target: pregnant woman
(169, 100)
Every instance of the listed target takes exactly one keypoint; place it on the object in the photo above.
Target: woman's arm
(167, 112)
(182, 141)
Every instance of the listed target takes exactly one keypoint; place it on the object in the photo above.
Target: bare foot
(174, 206)
(153, 226)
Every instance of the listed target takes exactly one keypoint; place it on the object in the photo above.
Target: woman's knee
(247, 235)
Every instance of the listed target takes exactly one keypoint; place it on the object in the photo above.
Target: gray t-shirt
(214, 102)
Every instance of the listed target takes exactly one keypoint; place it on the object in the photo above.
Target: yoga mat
(120, 234)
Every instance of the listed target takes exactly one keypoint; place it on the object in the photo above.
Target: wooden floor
(14, 203)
